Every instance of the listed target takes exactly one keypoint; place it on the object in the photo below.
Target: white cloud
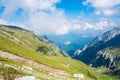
(43, 17)
(75, 26)
(108, 12)
(88, 26)
(101, 25)
(103, 4)
(106, 7)
(54, 22)
(29, 4)
(67, 42)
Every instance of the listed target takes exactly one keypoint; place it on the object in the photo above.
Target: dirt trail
(31, 63)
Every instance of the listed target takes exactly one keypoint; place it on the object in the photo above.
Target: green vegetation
(25, 46)
(9, 73)
(29, 39)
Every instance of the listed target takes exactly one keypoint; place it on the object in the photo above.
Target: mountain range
(25, 55)
(104, 51)
(72, 41)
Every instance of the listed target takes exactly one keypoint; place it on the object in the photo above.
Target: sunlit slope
(31, 40)
(66, 64)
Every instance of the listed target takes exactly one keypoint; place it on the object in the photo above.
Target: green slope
(29, 39)
(21, 48)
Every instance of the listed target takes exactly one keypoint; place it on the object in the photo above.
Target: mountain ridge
(103, 51)
(23, 44)
(31, 40)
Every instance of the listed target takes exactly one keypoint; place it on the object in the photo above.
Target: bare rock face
(103, 51)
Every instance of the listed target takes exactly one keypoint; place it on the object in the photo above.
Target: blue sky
(60, 17)
(74, 8)
(71, 7)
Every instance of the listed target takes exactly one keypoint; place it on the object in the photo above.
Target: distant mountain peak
(111, 34)
(108, 35)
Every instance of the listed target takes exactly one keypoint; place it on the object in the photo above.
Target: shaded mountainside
(20, 57)
(103, 51)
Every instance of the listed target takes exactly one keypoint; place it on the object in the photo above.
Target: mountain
(70, 42)
(26, 56)
(103, 51)
(29, 39)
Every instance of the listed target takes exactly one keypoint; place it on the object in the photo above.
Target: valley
(15, 52)
(59, 39)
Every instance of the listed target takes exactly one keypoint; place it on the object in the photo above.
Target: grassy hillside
(43, 75)
(29, 39)
(19, 46)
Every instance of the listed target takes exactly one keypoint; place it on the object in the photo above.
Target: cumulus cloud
(32, 5)
(54, 22)
(103, 4)
(28, 6)
(106, 7)
(43, 17)
(101, 25)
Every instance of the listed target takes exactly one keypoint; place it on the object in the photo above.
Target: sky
(59, 17)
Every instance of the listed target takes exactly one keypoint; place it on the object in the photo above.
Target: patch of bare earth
(31, 63)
